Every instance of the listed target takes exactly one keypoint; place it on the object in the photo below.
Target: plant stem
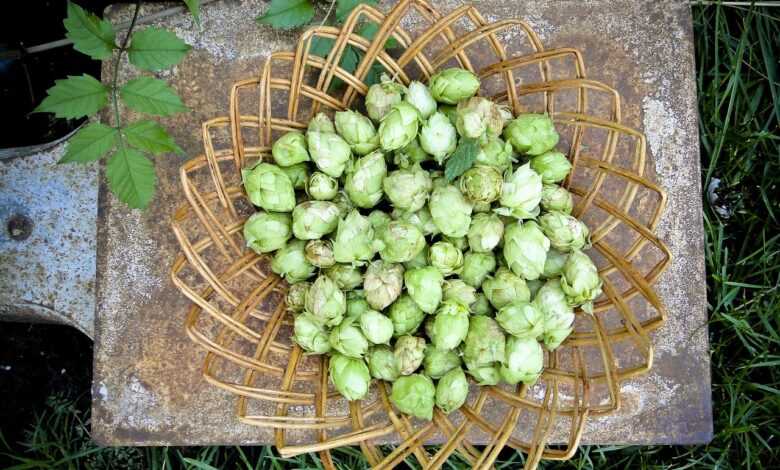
(115, 75)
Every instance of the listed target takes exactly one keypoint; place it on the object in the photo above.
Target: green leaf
(321, 46)
(152, 96)
(90, 35)
(194, 7)
(90, 143)
(74, 97)
(462, 159)
(131, 177)
(369, 30)
(151, 137)
(345, 7)
(156, 49)
(287, 14)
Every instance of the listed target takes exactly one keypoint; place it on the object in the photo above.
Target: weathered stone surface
(148, 387)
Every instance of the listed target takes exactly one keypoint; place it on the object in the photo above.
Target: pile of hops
(434, 246)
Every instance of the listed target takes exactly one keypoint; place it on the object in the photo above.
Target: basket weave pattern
(238, 314)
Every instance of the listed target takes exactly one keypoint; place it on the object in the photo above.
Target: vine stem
(115, 75)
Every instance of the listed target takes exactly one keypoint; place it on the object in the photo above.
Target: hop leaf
(156, 49)
(194, 7)
(90, 143)
(74, 97)
(131, 177)
(152, 96)
(345, 7)
(287, 14)
(90, 35)
(462, 159)
(151, 137)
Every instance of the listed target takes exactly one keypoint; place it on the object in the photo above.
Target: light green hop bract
(326, 301)
(496, 153)
(452, 391)
(450, 210)
(329, 151)
(382, 363)
(321, 123)
(424, 286)
(532, 134)
(505, 287)
(348, 339)
(405, 315)
(296, 296)
(438, 362)
(401, 242)
(476, 116)
(534, 286)
(438, 137)
(377, 328)
(411, 154)
(414, 395)
(346, 276)
(399, 127)
(450, 325)
(481, 306)
(580, 281)
(565, 232)
(421, 219)
(383, 96)
(354, 241)
(460, 292)
(552, 166)
(343, 203)
(269, 187)
(484, 375)
(409, 352)
(383, 283)
(298, 174)
(450, 111)
(419, 261)
(485, 342)
(460, 243)
(350, 376)
(313, 219)
(445, 257)
(477, 267)
(556, 330)
(290, 149)
(525, 249)
(521, 319)
(482, 207)
(408, 188)
(322, 187)
(481, 184)
(319, 253)
(310, 334)
(356, 304)
(453, 85)
(553, 264)
(524, 361)
(485, 232)
(379, 220)
(358, 131)
(558, 315)
(521, 193)
(363, 184)
(290, 262)
(267, 231)
(420, 97)
(556, 198)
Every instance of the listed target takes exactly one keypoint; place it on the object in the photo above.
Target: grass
(739, 106)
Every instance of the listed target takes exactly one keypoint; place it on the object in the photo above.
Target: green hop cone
(452, 391)
(481, 184)
(525, 249)
(310, 334)
(580, 280)
(321, 186)
(400, 242)
(558, 314)
(319, 253)
(496, 153)
(424, 286)
(379, 220)
(348, 339)
(408, 188)
(376, 327)
(487, 374)
(553, 264)
(477, 267)
(329, 151)
(346, 276)
(265, 232)
(409, 352)
(290, 149)
(399, 127)
(383, 284)
(505, 287)
(321, 123)
(298, 174)
(421, 219)
(460, 243)
(521, 193)
(552, 166)
(524, 361)
(532, 134)
(354, 241)
(296, 296)
(450, 210)
(326, 301)
(269, 187)
(565, 232)
(445, 257)
(521, 319)
(480, 207)
(414, 395)
(485, 342)
(420, 97)
(356, 304)
(405, 315)
(458, 291)
(381, 97)
(485, 232)
(453, 85)
(556, 330)
(438, 137)
(363, 184)
(556, 198)
(350, 376)
(290, 262)
(419, 261)
(313, 219)
(477, 116)
(382, 363)
(450, 112)
(481, 306)
(345, 206)
(410, 155)
(358, 131)
(438, 362)
(450, 325)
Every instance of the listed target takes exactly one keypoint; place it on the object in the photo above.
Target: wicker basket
(238, 313)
